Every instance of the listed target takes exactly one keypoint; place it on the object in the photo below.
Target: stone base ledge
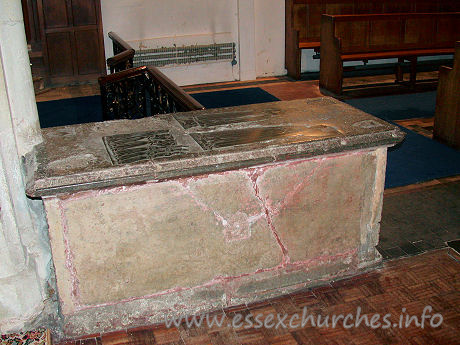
(210, 299)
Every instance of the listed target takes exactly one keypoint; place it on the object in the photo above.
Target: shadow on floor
(419, 220)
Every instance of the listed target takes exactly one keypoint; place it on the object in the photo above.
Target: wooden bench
(141, 92)
(303, 20)
(447, 118)
(123, 54)
(381, 36)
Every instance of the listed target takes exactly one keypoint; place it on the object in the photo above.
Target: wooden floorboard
(281, 87)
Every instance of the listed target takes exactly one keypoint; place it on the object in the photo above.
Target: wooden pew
(447, 118)
(381, 36)
(303, 20)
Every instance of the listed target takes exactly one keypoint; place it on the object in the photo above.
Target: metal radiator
(185, 55)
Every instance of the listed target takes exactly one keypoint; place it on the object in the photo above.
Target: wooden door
(73, 46)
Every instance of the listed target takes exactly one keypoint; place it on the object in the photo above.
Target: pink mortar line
(65, 198)
(69, 256)
(323, 259)
(228, 233)
(276, 210)
(136, 186)
(253, 176)
(215, 281)
(227, 279)
(252, 173)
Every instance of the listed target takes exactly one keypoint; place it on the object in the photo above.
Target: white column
(18, 77)
(25, 258)
(247, 39)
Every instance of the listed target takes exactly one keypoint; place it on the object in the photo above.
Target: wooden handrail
(115, 38)
(142, 92)
(120, 58)
(123, 54)
(175, 90)
(131, 72)
(130, 93)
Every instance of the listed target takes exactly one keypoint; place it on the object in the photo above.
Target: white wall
(256, 26)
(269, 24)
(159, 23)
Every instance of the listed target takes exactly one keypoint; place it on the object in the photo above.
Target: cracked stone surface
(74, 158)
(221, 226)
(131, 242)
(143, 241)
(316, 205)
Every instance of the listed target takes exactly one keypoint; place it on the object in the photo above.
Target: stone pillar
(25, 259)
(18, 78)
(247, 39)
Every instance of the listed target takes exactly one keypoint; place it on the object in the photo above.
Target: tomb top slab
(115, 153)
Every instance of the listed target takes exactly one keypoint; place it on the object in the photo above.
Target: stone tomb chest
(191, 212)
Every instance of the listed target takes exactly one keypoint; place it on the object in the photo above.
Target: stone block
(132, 255)
(316, 205)
(133, 242)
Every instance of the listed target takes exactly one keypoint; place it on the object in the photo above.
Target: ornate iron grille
(142, 92)
(136, 147)
(125, 99)
(185, 55)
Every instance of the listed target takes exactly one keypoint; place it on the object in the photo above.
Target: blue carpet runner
(230, 98)
(417, 158)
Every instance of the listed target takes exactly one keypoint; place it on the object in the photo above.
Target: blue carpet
(70, 111)
(230, 98)
(398, 107)
(88, 109)
(417, 158)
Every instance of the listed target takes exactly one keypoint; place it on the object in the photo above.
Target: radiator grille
(185, 55)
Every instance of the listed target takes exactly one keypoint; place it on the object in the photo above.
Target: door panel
(73, 47)
(55, 14)
(84, 12)
(87, 58)
(60, 54)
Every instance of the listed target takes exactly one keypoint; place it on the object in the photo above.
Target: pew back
(395, 32)
(306, 14)
(303, 20)
(447, 116)
(378, 36)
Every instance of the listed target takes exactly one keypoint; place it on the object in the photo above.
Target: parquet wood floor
(423, 126)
